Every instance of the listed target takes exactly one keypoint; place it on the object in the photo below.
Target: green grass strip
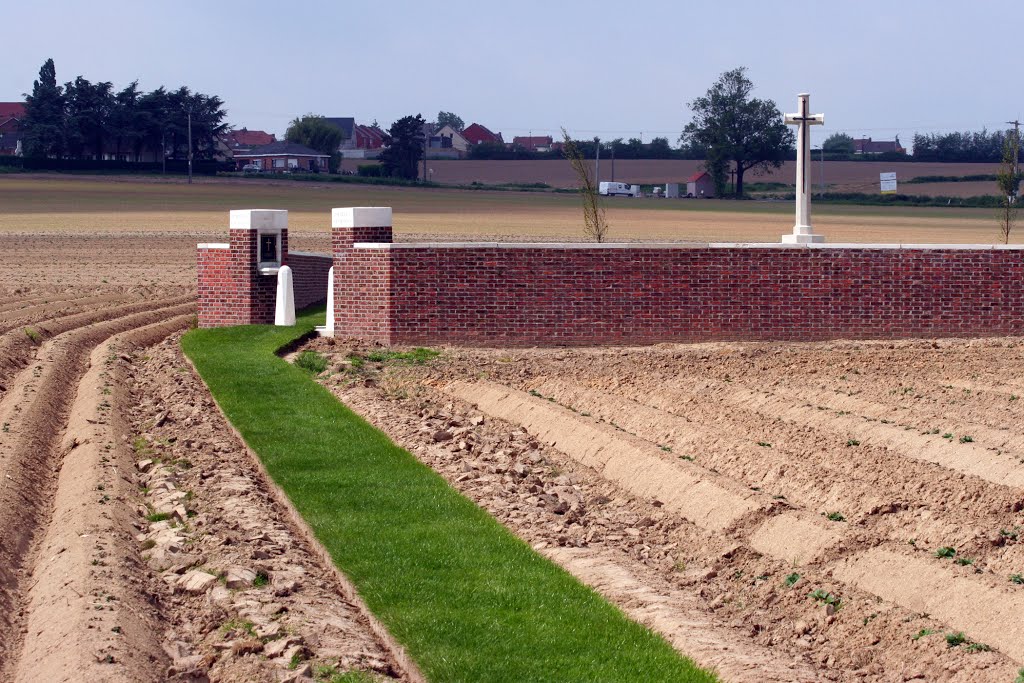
(468, 599)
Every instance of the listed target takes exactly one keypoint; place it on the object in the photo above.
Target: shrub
(311, 361)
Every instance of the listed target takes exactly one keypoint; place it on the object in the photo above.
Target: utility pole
(613, 161)
(597, 157)
(1016, 157)
(189, 110)
(163, 151)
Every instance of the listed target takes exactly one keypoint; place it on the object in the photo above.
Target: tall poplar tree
(43, 125)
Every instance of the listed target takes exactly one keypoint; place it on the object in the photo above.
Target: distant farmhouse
(476, 133)
(700, 184)
(536, 143)
(869, 146)
(281, 157)
(447, 138)
(244, 140)
(360, 142)
(11, 114)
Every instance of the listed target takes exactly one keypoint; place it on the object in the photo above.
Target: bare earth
(139, 539)
(691, 485)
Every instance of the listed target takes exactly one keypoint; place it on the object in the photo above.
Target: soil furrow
(30, 451)
(786, 537)
(55, 308)
(88, 612)
(17, 346)
(801, 615)
(936, 507)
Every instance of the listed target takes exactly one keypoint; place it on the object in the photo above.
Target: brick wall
(523, 295)
(232, 291)
(309, 277)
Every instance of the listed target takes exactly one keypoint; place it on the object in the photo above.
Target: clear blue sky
(614, 69)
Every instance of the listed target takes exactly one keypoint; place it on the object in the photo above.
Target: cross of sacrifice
(803, 233)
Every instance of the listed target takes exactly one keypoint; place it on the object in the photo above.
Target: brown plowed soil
(245, 593)
(896, 449)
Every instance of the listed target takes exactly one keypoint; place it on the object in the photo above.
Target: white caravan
(612, 189)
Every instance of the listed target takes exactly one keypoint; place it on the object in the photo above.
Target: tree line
(85, 120)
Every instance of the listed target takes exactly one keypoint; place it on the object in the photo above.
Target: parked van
(612, 189)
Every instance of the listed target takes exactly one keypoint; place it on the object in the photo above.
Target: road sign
(887, 181)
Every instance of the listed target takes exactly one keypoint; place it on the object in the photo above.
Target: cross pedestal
(803, 232)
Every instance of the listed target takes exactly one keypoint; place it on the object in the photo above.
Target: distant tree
(838, 143)
(659, 149)
(43, 125)
(87, 114)
(735, 127)
(315, 132)
(980, 146)
(447, 118)
(1008, 178)
(403, 149)
(595, 226)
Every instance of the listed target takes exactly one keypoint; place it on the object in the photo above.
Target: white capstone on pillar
(803, 232)
(329, 327)
(284, 313)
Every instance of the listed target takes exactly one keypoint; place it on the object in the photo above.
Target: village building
(282, 157)
(700, 184)
(447, 138)
(535, 143)
(11, 114)
(869, 146)
(244, 140)
(360, 141)
(476, 133)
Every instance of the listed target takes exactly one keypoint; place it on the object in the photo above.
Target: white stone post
(284, 313)
(803, 232)
(329, 327)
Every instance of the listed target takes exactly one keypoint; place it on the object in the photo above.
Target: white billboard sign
(887, 181)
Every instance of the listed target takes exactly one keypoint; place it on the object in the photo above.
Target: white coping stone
(284, 311)
(266, 220)
(213, 245)
(676, 245)
(308, 253)
(361, 217)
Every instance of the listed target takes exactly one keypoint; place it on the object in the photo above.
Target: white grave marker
(803, 233)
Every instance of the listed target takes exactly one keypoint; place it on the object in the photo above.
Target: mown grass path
(468, 599)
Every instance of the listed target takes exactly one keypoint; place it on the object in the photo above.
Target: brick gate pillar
(259, 247)
(362, 274)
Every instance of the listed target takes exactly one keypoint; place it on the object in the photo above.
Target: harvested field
(109, 222)
(764, 505)
(842, 176)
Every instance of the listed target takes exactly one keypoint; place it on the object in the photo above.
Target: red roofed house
(243, 140)
(869, 146)
(700, 184)
(534, 143)
(475, 134)
(11, 114)
(367, 137)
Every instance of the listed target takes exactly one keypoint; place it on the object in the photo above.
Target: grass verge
(468, 599)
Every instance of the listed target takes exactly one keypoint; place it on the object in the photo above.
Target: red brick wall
(362, 283)
(220, 300)
(643, 295)
(232, 291)
(309, 278)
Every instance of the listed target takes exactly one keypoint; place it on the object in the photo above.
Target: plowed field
(840, 511)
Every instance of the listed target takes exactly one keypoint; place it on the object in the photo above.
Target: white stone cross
(803, 233)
